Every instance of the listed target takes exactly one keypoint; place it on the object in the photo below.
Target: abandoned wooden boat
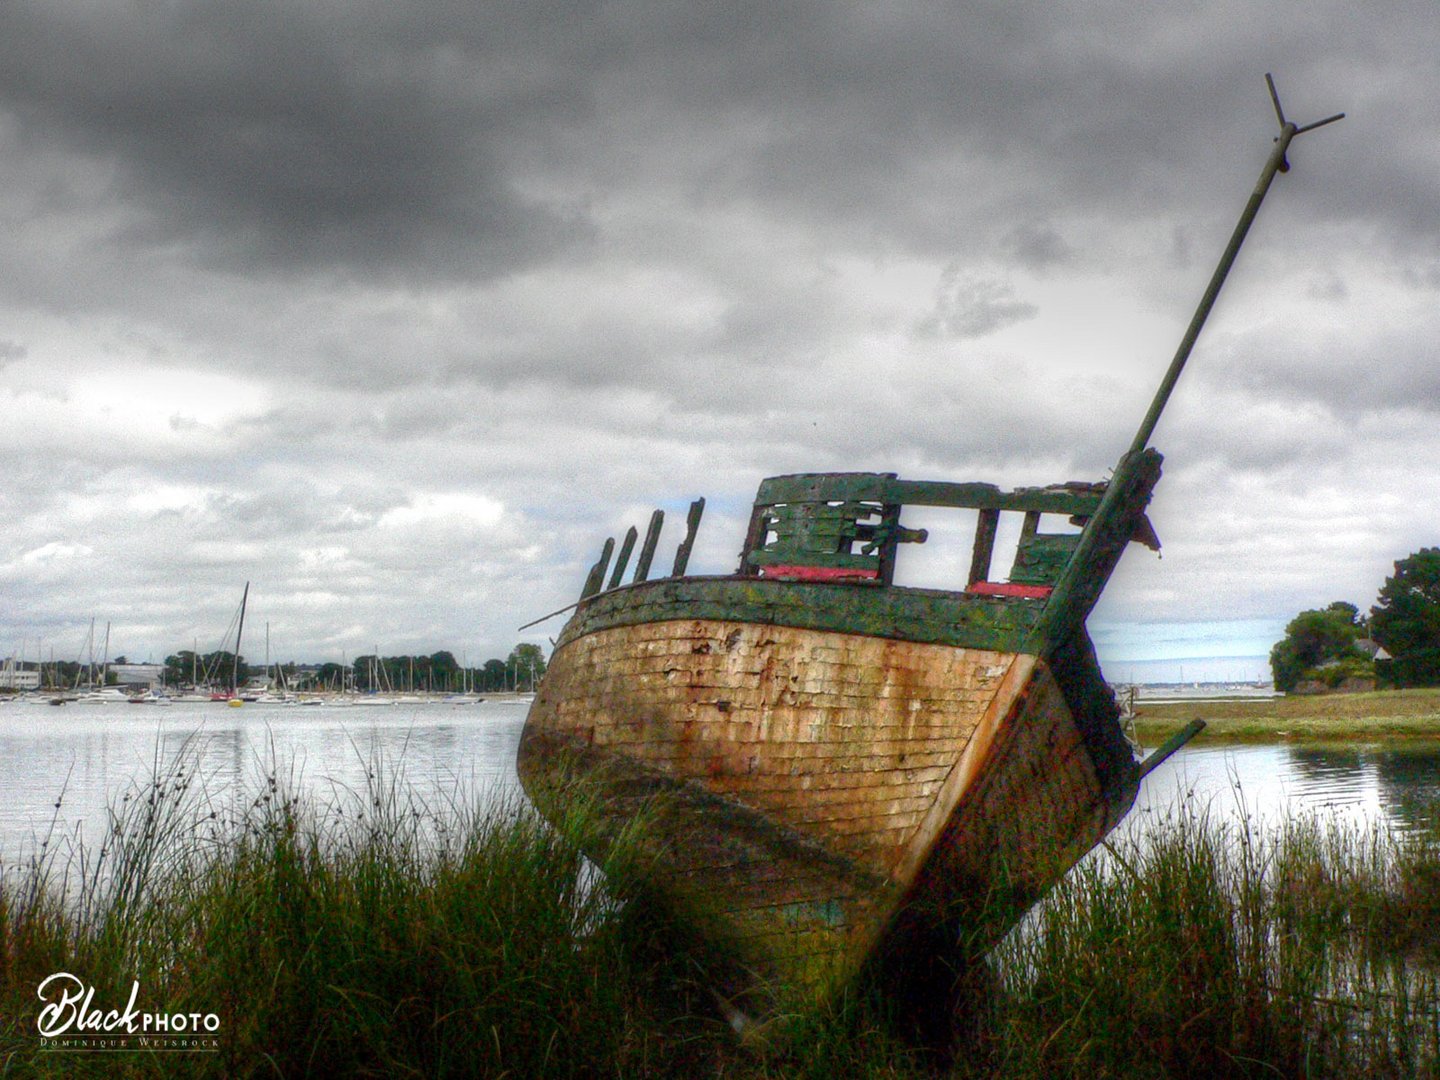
(841, 773)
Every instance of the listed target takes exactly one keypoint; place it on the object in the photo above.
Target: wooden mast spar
(1064, 613)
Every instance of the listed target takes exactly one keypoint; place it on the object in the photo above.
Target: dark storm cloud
(253, 133)
(1037, 245)
(464, 140)
(407, 301)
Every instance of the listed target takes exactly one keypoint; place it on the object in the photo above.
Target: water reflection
(1410, 785)
(1396, 785)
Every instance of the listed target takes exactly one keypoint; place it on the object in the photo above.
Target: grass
(1380, 715)
(382, 935)
(375, 936)
(1209, 948)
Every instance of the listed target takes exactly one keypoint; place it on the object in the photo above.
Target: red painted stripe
(1010, 588)
(819, 573)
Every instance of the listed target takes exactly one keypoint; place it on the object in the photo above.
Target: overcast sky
(397, 310)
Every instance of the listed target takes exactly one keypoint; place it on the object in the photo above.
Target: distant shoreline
(1378, 716)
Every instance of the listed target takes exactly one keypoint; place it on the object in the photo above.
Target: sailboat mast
(240, 629)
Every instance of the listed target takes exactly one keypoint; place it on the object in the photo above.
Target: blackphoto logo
(70, 1019)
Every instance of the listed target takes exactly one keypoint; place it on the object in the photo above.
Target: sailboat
(845, 777)
(232, 695)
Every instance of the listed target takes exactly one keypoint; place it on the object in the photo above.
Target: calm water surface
(87, 756)
(1396, 785)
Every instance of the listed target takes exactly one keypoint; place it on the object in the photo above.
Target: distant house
(1372, 649)
(1330, 678)
(15, 676)
(139, 676)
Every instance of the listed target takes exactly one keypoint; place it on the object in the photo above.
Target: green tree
(495, 674)
(526, 663)
(1316, 640)
(180, 667)
(367, 673)
(217, 668)
(331, 676)
(66, 672)
(1406, 620)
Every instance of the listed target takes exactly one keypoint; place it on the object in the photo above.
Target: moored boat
(842, 775)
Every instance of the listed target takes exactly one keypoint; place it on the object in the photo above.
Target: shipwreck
(846, 776)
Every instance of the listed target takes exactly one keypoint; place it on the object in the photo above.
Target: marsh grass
(1390, 715)
(378, 933)
(1213, 947)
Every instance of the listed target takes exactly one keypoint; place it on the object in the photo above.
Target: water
(1396, 785)
(87, 756)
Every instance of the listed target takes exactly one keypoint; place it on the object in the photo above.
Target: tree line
(1332, 644)
(438, 672)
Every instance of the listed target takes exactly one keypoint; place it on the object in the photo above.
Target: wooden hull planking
(828, 799)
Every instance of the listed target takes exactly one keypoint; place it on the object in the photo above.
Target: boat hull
(827, 801)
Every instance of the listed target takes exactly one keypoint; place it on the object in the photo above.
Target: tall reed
(379, 933)
(1217, 947)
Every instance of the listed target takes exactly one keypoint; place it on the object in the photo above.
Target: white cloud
(453, 506)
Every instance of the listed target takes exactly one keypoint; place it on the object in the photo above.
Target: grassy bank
(387, 936)
(376, 936)
(1209, 949)
(1385, 714)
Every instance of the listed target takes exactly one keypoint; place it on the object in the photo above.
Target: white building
(138, 675)
(14, 677)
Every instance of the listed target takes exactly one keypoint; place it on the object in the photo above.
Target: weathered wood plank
(647, 549)
(623, 559)
(596, 577)
(984, 548)
(881, 722)
(692, 525)
(779, 555)
(1079, 499)
(1041, 558)
(919, 615)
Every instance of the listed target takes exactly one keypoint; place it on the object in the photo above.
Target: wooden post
(692, 523)
(984, 546)
(754, 539)
(647, 549)
(623, 559)
(890, 525)
(597, 572)
(1170, 745)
